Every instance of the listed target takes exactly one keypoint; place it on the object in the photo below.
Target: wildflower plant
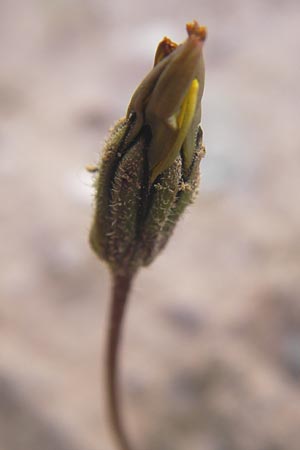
(148, 174)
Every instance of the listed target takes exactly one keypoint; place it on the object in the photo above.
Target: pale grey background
(211, 353)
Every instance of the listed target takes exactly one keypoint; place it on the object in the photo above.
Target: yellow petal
(184, 120)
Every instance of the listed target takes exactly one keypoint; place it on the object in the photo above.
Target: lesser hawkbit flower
(148, 174)
(150, 165)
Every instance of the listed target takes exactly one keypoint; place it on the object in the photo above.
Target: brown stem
(120, 292)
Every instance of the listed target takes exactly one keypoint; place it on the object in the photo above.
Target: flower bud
(150, 166)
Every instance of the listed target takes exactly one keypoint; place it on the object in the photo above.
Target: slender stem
(120, 291)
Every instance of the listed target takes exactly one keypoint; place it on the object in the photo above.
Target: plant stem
(120, 292)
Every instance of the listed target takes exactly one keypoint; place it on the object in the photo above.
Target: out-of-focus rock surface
(211, 351)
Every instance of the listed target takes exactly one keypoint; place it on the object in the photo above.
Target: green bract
(149, 171)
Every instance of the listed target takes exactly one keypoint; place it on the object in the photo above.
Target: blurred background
(211, 349)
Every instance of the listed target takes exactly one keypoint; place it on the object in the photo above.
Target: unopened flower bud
(150, 166)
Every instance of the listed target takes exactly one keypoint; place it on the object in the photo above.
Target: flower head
(150, 167)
